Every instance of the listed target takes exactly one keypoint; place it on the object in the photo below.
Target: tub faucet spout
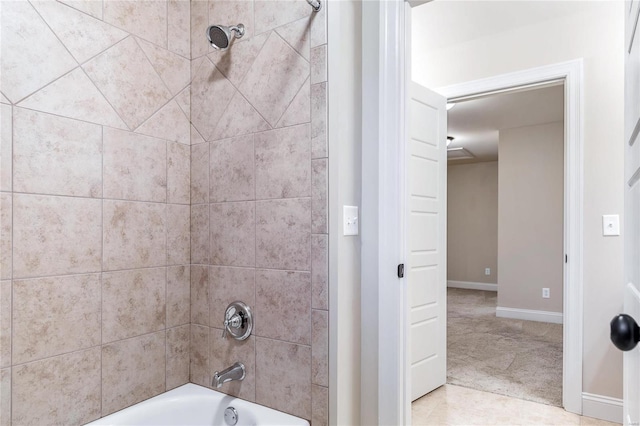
(235, 372)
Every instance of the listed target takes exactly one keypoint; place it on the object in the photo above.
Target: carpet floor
(521, 359)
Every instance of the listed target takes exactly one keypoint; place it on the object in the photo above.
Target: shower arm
(315, 4)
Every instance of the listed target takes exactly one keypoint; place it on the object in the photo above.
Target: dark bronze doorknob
(625, 332)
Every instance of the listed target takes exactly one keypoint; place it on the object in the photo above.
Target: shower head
(220, 36)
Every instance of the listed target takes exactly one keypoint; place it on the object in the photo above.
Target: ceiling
(475, 124)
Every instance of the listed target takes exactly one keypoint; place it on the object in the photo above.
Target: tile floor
(456, 405)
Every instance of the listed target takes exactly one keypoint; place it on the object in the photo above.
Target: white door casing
(426, 238)
(631, 367)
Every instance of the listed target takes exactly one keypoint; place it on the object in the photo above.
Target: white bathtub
(193, 405)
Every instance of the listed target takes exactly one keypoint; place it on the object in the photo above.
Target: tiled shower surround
(147, 182)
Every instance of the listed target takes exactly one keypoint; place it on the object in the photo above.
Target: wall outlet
(545, 293)
(487, 271)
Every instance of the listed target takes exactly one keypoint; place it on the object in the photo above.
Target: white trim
(602, 407)
(472, 286)
(529, 315)
(572, 73)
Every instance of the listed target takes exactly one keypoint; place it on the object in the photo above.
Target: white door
(426, 239)
(631, 366)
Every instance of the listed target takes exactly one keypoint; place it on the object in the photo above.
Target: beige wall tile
(6, 135)
(296, 34)
(55, 155)
(283, 305)
(6, 235)
(224, 353)
(283, 234)
(239, 118)
(200, 295)
(134, 235)
(199, 372)
(283, 376)
(75, 96)
(319, 26)
(5, 323)
(226, 286)
(32, 55)
(83, 35)
(275, 77)
(178, 173)
(133, 303)
(177, 356)
(173, 69)
(199, 24)
(320, 271)
(132, 370)
(61, 390)
(184, 102)
(245, 50)
(319, 145)
(169, 123)
(272, 14)
(127, 79)
(200, 173)
(55, 315)
(232, 170)
(233, 233)
(319, 64)
(179, 24)
(211, 93)
(319, 197)
(92, 7)
(178, 295)
(200, 234)
(134, 166)
(299, 110)
(320, 406)
(5, 397)
(233, 12)
(178, 229)
(147, 19)
(55, 235)
(282, 159)
(320, 348)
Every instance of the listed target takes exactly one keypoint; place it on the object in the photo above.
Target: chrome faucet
(235, 372)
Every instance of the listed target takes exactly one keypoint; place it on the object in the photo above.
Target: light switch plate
(351, 220)
(610, 224)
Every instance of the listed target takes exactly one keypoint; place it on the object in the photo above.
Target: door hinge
(401, 270)
(566, 258)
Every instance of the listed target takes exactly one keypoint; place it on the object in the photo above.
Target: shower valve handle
(234, 321)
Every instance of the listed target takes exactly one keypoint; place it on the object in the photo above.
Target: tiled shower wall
(95, 206)
(259, 163)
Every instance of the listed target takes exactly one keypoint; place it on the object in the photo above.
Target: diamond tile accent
(169, 123)
(128, 81)
(172, 68)
(297, 35)
(300, 109)
(146, 19)
(274, 79)
(235, 64)
(74, 96)
(82, 34)
(31, 54)
(239, 118)
(211, 93)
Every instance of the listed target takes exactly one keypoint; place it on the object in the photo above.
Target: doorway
(505, 243)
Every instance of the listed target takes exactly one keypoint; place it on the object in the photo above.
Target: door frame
(385, 379)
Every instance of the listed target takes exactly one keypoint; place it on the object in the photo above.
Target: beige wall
(95, 210)
(259, 224)
(472, 222)
(530, 217)
(554, 40)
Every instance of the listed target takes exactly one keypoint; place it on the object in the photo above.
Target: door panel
(426, 263)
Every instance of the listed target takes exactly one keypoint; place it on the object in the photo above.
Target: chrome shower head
(220, 36)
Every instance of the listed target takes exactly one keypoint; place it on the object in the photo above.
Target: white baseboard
(602, 407)
(530, 315)
(472, 286)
